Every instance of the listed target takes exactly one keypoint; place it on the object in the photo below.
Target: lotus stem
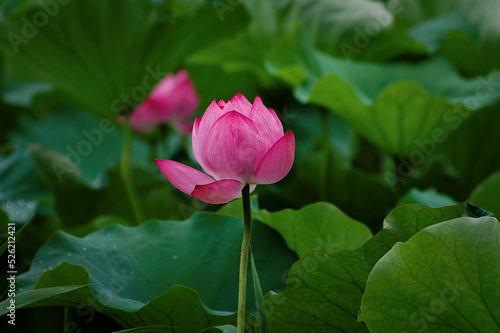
(247, 228)
(125, 173)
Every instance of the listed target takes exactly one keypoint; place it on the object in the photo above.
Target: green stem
(247, 228)
(66, 319)
(125, 173)
(163, 139)
(327, 166)
(153, 145)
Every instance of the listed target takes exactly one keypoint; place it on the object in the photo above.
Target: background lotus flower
(237, 143)
(173, 100)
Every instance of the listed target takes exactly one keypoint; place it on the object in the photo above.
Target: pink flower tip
(174, 100)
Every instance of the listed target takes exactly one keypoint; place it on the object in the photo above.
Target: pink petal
(157, 107)
(267, 121)
(222, 104)
(165, 87)
(194, 138)
(240, 104)
(277, 162)
(181, 176)
(197, 151)
(196, 124)
(213, 113)
(146, 116)
(182, 99)
(218, 192)
(174, 99)
(233, 147)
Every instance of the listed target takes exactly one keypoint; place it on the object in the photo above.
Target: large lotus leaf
(320, 226)
(469, 55)
(22, 188)
(325, 18)
(396, 106)
(335, 26)
(107, 55)
(406, 220)
(77, 203)
(244, 52)
(483, 48)
(25, 196)
(432, 33)
(32, 296)
(428, 197)
(455, 36)
(469, 172)
(414, 12)
(134, 271)
(221, 329)
(324, 291)
(23, 93)
(91, 145)
(487, 194)
(178, 306)
(445, 278)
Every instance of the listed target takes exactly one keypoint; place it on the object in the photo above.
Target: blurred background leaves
(391, 102)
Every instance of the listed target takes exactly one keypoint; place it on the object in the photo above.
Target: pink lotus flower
(173, 100)
(237, 143)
